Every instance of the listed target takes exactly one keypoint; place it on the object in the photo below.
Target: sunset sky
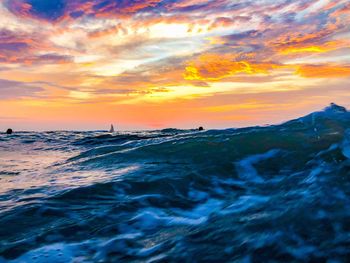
(151, 64)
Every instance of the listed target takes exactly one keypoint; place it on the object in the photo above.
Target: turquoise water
(278, 193)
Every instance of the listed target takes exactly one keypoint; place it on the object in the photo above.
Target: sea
(278, 193)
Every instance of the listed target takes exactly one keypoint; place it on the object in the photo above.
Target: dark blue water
(261, 194)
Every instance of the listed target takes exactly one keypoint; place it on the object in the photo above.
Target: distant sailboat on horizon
(111, 129)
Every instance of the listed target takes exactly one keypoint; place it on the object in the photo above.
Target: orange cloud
(322, 48)
(212, 67)
(306, 35)
(324, 71)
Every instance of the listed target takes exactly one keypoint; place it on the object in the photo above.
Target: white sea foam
(246, 170)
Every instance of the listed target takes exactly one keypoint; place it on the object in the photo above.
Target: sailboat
(111, 129)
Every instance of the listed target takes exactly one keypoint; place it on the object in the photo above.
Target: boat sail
(112, 128)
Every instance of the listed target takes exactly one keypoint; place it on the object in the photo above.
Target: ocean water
(261, 194)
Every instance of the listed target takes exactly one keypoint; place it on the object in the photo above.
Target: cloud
(214, 67)
(228, 21)
(13, 42)
(23, 47)
(324, 71)
(16, 90)
(121, 47)
(57, 10)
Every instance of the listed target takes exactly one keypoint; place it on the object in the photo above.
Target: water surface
(278, 193)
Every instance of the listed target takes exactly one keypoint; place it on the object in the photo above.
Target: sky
(152, 64)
